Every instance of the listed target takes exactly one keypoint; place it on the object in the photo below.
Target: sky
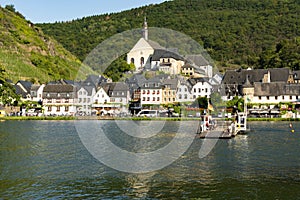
(40, 11)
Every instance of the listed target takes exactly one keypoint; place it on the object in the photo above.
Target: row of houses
(99, 94)
(263, 87)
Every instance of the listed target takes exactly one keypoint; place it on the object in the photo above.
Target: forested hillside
(256, 33)
(26, 53)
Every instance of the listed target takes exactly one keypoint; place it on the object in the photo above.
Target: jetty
(211, 129)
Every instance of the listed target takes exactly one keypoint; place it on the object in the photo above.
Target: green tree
(7, 91)
(117, 69)
(200, 102)
(10, 8)
(236, 103)
(216, 100)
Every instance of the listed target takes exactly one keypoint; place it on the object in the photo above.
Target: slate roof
(197, 69)
(88, 88)
(115, 89)
(198, 60)
(173, 83)
(65, 91)
(276, 89)
(135, 81)
(154, 45)
(26, 85)
(20, 91)
(194, 81)
(34, 89)
(239, 77)
(96, 80)
(59, 88)
(296, 75)
(161, 53)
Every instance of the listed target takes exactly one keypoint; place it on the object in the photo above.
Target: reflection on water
(46, 159)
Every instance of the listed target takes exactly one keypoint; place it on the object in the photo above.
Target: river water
(47, 160)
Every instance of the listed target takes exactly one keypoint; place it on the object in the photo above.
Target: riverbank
(38, 118)
(132, 118)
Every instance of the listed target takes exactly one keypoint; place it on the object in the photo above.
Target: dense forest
(236, 33)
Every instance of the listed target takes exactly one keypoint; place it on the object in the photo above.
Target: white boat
(240, 123)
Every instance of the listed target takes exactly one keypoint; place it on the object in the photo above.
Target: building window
(58, 109)
(66, 108)
(291, 97)
(148, 98)
(268, 98)
(144, 98)
(180, 96)
(276, 97)
(132, 60)
(153, 98)
(158, 99)
(49, 108)
(142, 61)
(282, 97)
(185, 96)
(259, 97)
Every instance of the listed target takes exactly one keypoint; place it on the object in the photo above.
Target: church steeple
(145, 29)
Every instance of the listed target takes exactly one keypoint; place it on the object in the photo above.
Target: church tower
(145, 29)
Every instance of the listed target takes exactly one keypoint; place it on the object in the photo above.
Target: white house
(184, 93)
(201, 87)
(59, 99)
(36, 92)
(85, 95)
(151, 92)
(101, 97)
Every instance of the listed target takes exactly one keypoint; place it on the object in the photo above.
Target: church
(149, 55)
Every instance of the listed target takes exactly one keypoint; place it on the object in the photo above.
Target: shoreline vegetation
(61, 118)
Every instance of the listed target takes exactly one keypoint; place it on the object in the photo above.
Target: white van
(148, 113)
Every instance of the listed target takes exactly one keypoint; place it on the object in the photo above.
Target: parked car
(148, 113)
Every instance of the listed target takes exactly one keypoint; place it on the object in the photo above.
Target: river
(47, 160)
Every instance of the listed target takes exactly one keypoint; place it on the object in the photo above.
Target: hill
(26, 53)
(234, 32)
